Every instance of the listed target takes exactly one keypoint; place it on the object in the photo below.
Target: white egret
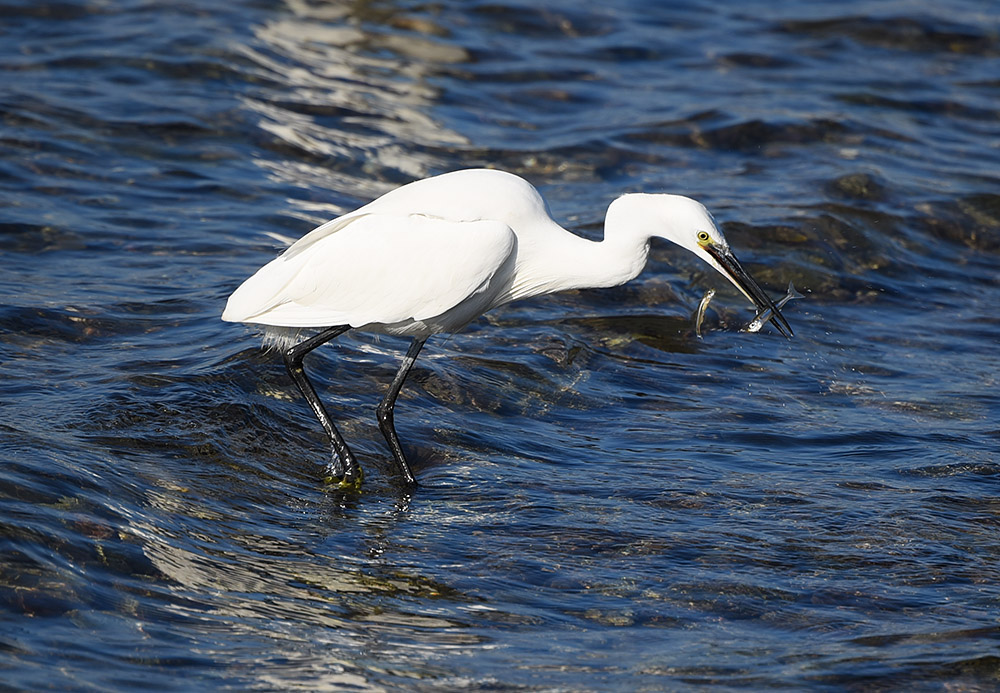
(433, 255)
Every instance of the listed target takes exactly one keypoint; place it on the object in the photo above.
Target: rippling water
(608, 502)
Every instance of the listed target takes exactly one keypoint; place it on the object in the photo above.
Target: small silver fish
(702, 307)
(766, 314)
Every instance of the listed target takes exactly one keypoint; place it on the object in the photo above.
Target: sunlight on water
(354, 97)
(607, 502)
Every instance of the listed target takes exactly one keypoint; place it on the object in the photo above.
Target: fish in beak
(727, 263)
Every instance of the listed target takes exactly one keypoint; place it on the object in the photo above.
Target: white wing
(375, 268)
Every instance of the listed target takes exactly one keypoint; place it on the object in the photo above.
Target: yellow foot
(344, 484)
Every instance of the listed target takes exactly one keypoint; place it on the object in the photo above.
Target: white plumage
(433, 255)
(335, 280)
(417, 261)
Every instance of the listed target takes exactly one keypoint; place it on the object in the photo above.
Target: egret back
(379, 271)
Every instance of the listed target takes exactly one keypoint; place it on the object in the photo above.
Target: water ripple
(608, 501)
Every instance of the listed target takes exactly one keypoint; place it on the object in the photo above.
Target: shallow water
(608, 502)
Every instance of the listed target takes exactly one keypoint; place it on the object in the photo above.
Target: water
(607, 502)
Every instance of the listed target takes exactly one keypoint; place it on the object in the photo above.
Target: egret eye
(703, 237)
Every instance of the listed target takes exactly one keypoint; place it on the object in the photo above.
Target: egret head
(687, 223)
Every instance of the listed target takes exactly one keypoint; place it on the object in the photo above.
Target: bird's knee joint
(293, 362)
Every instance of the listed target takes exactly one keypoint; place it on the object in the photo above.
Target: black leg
(384, 412)
(344, 465)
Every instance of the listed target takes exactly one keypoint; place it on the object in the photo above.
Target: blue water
(607, 502)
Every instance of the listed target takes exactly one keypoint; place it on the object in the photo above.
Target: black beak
(742, 279)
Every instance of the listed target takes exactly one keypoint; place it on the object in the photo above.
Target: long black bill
(728, 262)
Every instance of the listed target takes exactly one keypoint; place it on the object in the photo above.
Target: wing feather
(374, 268)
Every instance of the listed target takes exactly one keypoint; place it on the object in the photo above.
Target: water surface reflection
(608, 502)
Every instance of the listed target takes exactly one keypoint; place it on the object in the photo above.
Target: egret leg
(344, 464)
(385, 409)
